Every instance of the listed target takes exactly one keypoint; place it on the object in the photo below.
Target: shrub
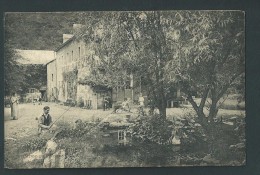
(32, 143)
(152, 129)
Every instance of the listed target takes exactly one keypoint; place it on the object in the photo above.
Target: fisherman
(45, 121)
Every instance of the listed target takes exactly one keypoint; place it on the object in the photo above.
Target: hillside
(38, 30)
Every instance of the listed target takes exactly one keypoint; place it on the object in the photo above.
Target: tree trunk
(202, 117)
(199, 111)
(213, 110)
(162, 109)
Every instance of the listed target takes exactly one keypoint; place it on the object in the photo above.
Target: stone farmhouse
(71, 66)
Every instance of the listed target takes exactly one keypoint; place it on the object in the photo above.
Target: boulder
(210, 160)
(51, 147)
(57, 160)
(37, 155)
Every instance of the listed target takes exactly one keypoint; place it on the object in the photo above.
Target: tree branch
(224, 89)
(203, 99)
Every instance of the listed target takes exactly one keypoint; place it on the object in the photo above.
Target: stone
(229, 123)
(176, 141)
(51, 147)
(57, 160)
(233, 118)
(37, 155)
(47, 162)
(197, 124)
(237, 146)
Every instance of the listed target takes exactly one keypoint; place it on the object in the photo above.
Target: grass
(91, 150)
(85, 149)
(228, 104)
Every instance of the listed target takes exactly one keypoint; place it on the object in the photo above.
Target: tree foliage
(38, 31)
(201, 51)
(12, 71)
(35, 76)
(212, 56)
(32, 31)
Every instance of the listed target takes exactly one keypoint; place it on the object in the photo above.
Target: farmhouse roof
(77, 34)
(50, 61)
(65, 43)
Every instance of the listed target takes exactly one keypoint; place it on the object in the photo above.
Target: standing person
(125, 105)
(45, 120)
(14, 107)
(141, 100)
(40, 100)
(105, 104)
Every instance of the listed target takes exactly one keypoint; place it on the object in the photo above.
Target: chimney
(66, 37)
(77, 28)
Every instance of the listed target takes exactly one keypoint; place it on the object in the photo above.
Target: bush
(152, 129)
(32, 143)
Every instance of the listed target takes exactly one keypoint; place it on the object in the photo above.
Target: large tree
(202, 51)
(13, 74)
(212, 56)
(132, 44)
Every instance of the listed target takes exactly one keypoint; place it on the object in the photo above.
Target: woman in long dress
(14, 107)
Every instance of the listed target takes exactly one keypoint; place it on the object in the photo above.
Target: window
(51, 77)
(71, 55)
(67, 58)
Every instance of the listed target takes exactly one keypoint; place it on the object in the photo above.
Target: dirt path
(26, 125)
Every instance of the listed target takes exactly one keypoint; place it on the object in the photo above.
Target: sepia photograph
(97, 89)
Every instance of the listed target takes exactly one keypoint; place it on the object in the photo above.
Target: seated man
(45, 120)
(125, 105)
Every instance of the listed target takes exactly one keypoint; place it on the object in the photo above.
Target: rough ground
(26, 125)
(19, 133)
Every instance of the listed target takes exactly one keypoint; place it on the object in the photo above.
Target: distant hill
(38, 31)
